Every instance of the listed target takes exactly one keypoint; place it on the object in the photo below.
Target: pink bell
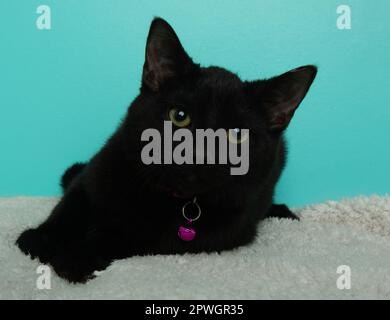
(186, 234)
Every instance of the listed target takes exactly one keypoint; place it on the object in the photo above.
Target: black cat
(115, 206)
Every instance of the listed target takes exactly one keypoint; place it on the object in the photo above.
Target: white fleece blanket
(289, 260)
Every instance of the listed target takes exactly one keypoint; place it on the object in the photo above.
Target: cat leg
(281, 211)
(78, 266)
(66, 224)
(73, 240)
(72, 259)
(36, 244)
(93, 252)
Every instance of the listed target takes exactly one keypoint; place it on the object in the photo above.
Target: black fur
(115, 206)
(70, 174)
(281, 211)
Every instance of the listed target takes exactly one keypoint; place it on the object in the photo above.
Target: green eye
(179, 117)
(237, 136)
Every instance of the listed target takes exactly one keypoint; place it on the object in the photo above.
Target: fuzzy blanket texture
(289, 259)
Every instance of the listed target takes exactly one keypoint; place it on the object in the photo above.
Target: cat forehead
(219, 87)
(219, 78)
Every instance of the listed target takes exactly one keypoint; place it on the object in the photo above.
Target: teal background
(63, 91)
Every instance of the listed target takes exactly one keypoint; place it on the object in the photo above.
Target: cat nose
(191, 178)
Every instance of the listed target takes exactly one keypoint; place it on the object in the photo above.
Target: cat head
(176, 89)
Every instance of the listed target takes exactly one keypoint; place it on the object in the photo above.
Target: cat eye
(237, 136)
(179, 117)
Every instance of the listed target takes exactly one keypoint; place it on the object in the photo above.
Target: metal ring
(197, 206)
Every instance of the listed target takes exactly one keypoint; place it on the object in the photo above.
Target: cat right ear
(165, 58)
(280, 96)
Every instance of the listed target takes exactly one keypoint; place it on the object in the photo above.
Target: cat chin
(175, 193)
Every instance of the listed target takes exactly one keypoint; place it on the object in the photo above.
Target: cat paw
(34, 243)
(281, 211)
(77, 269)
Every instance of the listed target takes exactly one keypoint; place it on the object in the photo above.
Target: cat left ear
(165, 58)
(282, 95)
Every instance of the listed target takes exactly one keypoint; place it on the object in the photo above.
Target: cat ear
(282, 95)
(165, 57)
